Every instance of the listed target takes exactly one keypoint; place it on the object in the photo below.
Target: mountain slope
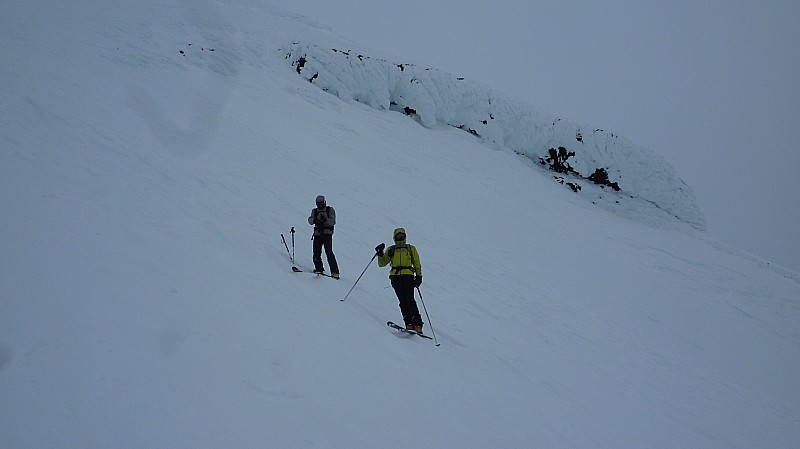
(647, 186)
(147, 299)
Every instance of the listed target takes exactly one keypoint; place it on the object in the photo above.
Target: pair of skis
(298, 270)
(408, 331)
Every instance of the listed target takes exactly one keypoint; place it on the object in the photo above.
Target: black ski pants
(403, 286)
(325, 240)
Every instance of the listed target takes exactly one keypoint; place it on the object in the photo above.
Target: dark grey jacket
(323, 220)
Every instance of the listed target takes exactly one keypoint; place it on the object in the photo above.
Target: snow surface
(436, 98)
(154, 152)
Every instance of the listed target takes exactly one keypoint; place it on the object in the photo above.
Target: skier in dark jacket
(405, 275)
(323, 217)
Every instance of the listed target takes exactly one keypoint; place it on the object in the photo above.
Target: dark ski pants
(325, 240)
(404, 288)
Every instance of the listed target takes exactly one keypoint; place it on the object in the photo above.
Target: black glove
(321, 218)
(417, 281)
(379, 249)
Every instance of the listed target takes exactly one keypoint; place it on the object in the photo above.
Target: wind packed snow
(154, 152)
(435, 98)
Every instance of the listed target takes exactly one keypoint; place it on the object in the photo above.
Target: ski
(298, 270)
(403, 329)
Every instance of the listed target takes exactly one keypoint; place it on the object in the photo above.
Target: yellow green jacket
(403, 257)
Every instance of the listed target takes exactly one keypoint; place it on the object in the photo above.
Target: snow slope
(146, 298)
(649, 185)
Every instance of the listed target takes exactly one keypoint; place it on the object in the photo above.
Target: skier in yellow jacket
(405, 275)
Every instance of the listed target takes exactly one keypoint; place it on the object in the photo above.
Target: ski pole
(427, 316)
(287, 247)
(292, 244)
(359, 276)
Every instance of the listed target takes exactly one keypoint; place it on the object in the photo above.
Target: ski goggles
(399, 237)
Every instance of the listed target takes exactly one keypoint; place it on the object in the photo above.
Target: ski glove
(417, 281)
(379, 249)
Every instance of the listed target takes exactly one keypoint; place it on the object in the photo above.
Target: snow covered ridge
(631, 179)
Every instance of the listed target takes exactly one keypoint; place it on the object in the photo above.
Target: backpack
(408, 249)
(328, 212)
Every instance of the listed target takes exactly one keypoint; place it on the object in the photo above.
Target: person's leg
(318, 241)
(329, 254)
(404, 288)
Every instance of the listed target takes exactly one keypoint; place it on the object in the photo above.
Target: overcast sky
(711, 85)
